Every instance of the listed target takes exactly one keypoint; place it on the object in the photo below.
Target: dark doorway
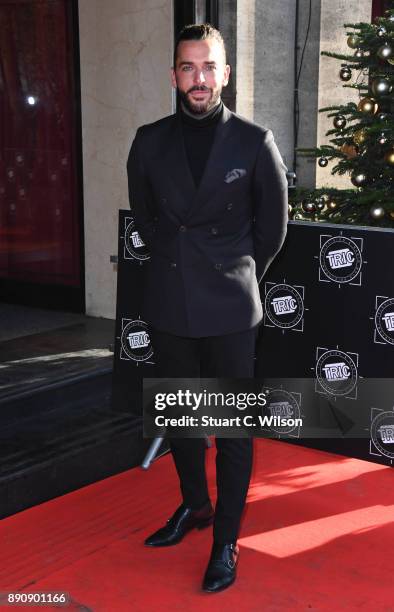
(222, 14)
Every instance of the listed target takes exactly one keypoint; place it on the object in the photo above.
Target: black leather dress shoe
(183, 520)
(221, 570)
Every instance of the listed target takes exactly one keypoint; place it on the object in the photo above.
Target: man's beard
(199, 108)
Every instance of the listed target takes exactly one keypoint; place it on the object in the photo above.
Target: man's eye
(210, 67)
(186, 68)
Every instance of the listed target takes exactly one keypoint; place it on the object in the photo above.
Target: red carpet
(318, 534)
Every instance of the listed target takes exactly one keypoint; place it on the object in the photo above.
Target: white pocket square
(234, 174)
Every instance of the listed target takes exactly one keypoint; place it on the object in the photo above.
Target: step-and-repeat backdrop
(326, 344)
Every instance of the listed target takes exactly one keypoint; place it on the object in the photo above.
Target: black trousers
(230, 356)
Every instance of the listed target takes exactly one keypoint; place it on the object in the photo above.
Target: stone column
(308, 87)
(265, 43)
(126, 53)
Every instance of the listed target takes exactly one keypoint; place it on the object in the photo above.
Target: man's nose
(199, 76)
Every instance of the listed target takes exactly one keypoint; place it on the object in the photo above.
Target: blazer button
(182, 228)
(214, 231)
(164, 200)
(229, 206)
(218, 266)
(173, 264)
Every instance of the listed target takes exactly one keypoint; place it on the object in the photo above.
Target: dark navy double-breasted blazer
(210, 246)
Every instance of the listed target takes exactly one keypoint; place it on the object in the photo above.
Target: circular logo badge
(136, 342)
(340, 259)
(384, 320)
(134, 244)
(382, 433)
(336, 372)
(280, 411)
(284, 306)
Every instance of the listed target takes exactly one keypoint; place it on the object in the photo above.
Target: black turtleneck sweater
(198, 136)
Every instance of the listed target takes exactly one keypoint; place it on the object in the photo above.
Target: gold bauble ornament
(360, 136)
(389, 157)
(332, 205)
(349, 150)
(368, 106)
(353, 41)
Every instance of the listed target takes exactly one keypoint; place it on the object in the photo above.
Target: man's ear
(173, 78)
(227, 71)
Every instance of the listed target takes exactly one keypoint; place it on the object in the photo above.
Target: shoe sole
(223, 588)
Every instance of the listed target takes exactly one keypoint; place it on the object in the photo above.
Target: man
(209, 194)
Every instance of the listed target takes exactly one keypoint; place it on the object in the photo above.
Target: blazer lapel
(176, 166)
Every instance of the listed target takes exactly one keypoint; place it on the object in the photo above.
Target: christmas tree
(362, 137)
